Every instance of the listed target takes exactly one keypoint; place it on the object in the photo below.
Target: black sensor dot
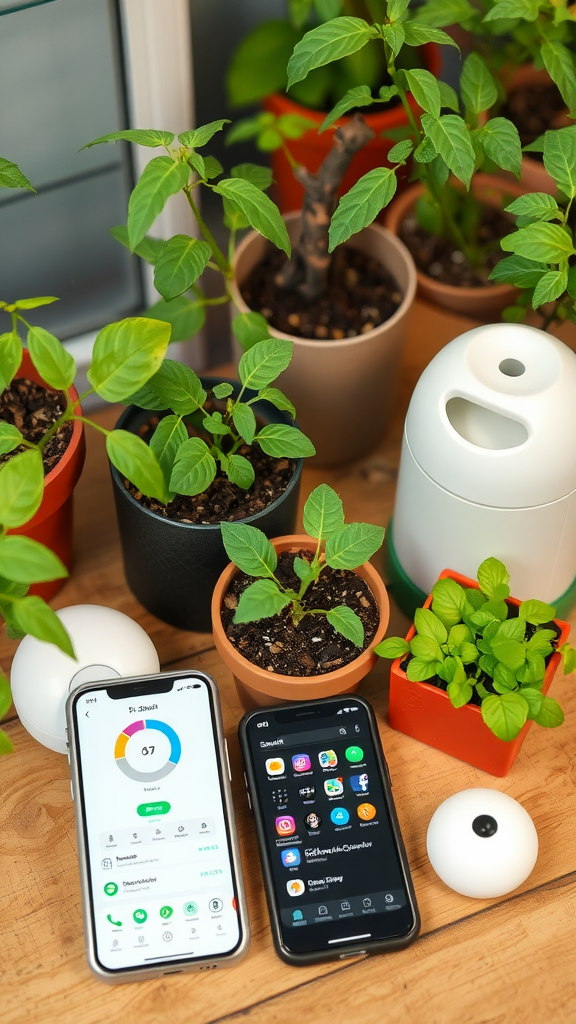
(485, 825)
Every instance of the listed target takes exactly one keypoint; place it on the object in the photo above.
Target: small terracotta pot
(259, 688)
(52, 524)
(427, 714)
(534, 177)
(330, 381)
(482, 303)
(311, 149)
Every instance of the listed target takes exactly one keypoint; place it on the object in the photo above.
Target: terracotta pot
(259, 688)
(330, 381)
(52, 524)
(426, 713)
(312, 148)
(534, 177)
(482, 303)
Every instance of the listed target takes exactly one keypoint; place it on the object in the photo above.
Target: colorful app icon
(366, 811)
(140, 916)
(280, 797)
(327, 759)
(190, 908)
(297, 915)
(339, 816)
(166, 912)
(307, 792)
(285, 826)
(275, 766)
(301, 763)
(354, 754)
(110, 888)
(334, 787)
(313, 821)
(290, 858)
(359, 783)
(117, 924)
(295, 887)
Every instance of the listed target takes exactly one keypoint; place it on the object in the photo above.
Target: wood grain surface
(476, 962)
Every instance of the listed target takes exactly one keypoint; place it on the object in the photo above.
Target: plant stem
(218, 255)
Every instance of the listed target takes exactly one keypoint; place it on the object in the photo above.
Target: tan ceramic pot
(259, 688)
(482, 303)
(344, 390)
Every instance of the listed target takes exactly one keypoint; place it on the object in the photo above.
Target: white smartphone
(160, 872)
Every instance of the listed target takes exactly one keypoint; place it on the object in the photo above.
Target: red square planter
(426, 713)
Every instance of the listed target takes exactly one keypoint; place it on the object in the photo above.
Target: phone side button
(388, 773)
(227, 760)
(247, 792)
(71, 789)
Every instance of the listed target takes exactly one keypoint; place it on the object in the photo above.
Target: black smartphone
(335, 869)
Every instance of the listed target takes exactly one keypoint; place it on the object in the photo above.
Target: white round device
(108, 645)
(482, 843)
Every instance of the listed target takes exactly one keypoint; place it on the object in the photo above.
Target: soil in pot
(313, 647)
(33, 408)
(534, 107)
(361, 295)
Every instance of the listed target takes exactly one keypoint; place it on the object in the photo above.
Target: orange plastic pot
(52, 524)
(312, 148)
(426, 713)
(258, 688)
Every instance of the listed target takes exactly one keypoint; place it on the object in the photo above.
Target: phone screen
(330, 844)
(158, 848)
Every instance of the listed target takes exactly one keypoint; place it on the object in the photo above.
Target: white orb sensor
(482, 843)
(108, 645)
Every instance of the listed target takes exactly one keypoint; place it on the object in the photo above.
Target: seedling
(338, 545)
(469, 642)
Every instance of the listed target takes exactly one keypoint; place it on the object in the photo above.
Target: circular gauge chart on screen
(147, 750)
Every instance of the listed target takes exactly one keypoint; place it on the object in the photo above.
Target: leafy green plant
(477, 650)
(338, 545)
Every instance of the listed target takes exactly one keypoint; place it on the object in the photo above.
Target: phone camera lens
(485, 826)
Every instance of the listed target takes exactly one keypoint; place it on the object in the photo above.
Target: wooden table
(476, 961)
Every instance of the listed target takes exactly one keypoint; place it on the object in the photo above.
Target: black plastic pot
(172, 567)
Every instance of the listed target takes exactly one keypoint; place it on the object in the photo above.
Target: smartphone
(335, 869)
(160, 872)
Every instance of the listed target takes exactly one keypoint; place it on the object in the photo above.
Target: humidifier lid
(493, 417)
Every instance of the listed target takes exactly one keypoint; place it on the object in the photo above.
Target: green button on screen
(146, 810)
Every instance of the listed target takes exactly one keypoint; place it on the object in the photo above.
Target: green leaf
(249, 329)
(444, 12)
(328, 9)
(428, 624)
(161, 178)
(185, 317)
(21, 488)
(244, 421)
(258, 66)
(509, 652)
(511, 629)
(448, 97)
(550, 286)
(278, 399)
(417, 34)
(492, 574)
(10, 437)
(135, 460)
(392, 647)
(32, 615)
(303, 570)
(452, 142)
(488, 664)
(399, 153)
(259, 176)
(527, 9)
(140, 136)
(10, 358)
(294, 126)
(468, 652)
(424, 89)
(249, 549)
(426, 648)
(559, 64)
(533, 698)
(323, 513)
(359, 96)
(200, 136)
(360, 205)
(536, 612)
(240, 471)
(448, 599)
(347, 623)
(504, 679)
(214, 424)
(394, 36)
(5, 695)
(478, 88)
(352, 545)
(535, 206)
(568, 658)
(165, 442)
(125, 356)
(540, 642)
(149, 248)
(543, 242)
(550, 714)
(328, 42)
(6, 745)
(417, 670)
(505, 715)
(474, 597)
(42, 300)
(12, 177)
(212, 167)
(194, 468)
(501, 142)
(264, 361)
(178, 387)
(458, 635)
(519, 271)
(260, 600)
(282, 441)
(26, 561)
(180, 263)
(261, 213)
(54, 364)
(560, 159)
(535, 147)
(198, 164)
(459, 692)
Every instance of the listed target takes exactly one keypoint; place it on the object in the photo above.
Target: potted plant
(299, 617)
(475, 669)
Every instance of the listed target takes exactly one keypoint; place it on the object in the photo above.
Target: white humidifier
(488, 467)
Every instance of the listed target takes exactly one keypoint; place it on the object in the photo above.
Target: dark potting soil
(313, 647)
(33, 408)
(534, 108)
(440, 259)
(224, 501)
(361, 295)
